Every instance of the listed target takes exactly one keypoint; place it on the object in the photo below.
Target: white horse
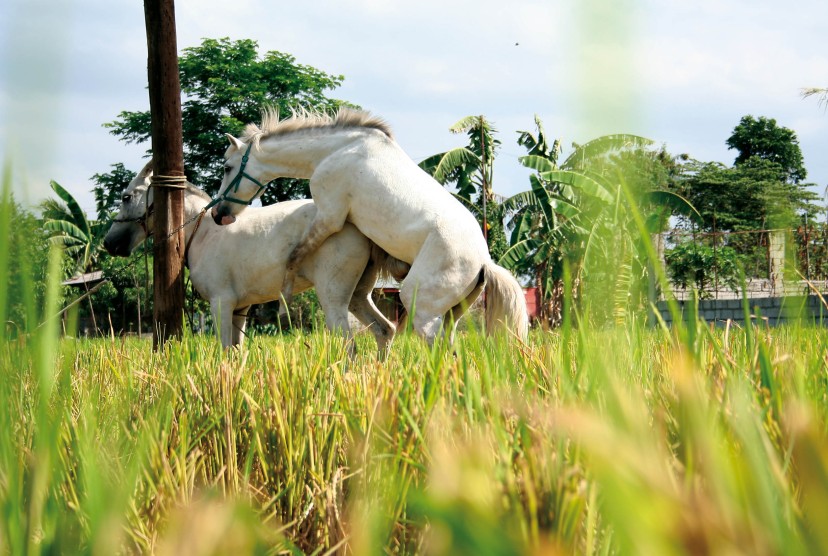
(360, 174)
(243, 265)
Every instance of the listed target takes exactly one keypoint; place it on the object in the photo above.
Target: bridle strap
(142, 220)
(234, 185)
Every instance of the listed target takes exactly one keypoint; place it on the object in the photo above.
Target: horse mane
(345, 118)
(198, 192)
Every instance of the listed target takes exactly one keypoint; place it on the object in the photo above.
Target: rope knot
(171, 182)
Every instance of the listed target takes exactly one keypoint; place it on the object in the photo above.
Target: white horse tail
(388, 266)
(505, 302)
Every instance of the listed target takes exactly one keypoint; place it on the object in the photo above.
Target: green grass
(621, 441)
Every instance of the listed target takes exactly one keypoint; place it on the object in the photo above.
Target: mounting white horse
(360, 174)
(243, 265)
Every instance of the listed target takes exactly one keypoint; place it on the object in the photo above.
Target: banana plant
(469, 169)
(578, 212)
(68, 227)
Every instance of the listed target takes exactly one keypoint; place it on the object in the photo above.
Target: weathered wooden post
(168, 179)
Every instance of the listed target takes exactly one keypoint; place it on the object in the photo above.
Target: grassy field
(628, 440)
(587, 440)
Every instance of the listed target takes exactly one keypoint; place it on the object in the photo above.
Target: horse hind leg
(437, 300)
(452, 317)
(363, 308)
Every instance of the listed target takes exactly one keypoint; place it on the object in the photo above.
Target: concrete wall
(773, 310)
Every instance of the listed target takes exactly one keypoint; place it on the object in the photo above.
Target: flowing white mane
(303, 121)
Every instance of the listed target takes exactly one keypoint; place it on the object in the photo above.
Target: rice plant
(622, 439)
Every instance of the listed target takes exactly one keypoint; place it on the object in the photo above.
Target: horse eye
(126, 198)
(227, 169)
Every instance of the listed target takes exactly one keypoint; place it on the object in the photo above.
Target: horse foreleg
(239, 324)
(222, 310)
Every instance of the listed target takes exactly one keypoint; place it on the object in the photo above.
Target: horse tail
(388, 266)
(505, 302)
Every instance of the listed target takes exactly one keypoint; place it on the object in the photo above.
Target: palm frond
(673, 201)
(465, 124)
(518, 253)
(520, 201)
(581, 182)
(440, 166)
(602, 146)
(64, 228)
(78, 216)
(537, 163)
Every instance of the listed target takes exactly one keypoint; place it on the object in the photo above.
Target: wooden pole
(168, 158)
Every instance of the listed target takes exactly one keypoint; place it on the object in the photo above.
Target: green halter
(234, 185)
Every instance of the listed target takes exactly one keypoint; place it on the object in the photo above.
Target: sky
(680, 73)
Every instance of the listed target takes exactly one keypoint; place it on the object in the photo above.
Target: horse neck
(296, 155)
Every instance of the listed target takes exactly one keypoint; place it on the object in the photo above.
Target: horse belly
(402, 233)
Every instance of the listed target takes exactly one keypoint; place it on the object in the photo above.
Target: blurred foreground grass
(621, 441)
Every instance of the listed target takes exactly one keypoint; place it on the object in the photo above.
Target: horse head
(241, 184)
(130, 227)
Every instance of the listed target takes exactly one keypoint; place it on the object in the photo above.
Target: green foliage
(68, 227)
(762, 190)
(696, 265)
(469, 169)
(225, 85)
(26, 248)
(577, 215)
(763, 138)
(126, 300)
(304, 315)
(108, 189)
(752, 195)
(539, 146)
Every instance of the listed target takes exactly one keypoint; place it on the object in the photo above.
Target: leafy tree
(225, 85)
(109, 187)
(469, 169)
(126, 299)
(763, 188)
(697, 265)
(752, 195)
(762, 137)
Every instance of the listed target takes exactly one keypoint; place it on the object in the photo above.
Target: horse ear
(146, 170)
(235, 142)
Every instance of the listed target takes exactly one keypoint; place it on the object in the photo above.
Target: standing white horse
(240, 266)
(359, 173)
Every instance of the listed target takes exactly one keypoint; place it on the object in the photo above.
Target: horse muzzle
(221, 215)
(117, 245)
